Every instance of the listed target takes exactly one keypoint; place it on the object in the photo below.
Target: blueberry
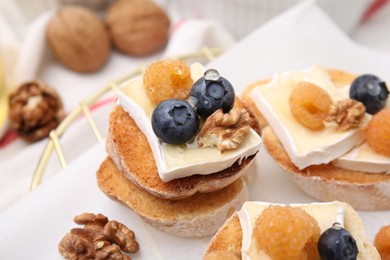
(371, 91)
(336, 243)
(212, 92)
(175, 121)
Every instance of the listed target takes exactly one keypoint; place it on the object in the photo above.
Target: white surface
(32, 227)
(41, 220)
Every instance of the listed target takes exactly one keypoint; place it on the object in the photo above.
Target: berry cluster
(174, 120)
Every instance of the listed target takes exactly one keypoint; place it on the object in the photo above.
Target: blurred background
(239, 16)
(362, 20)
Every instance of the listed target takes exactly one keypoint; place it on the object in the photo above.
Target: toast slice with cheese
(129, 149)
(327, 182)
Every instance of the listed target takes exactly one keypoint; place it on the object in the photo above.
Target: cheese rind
(363, 158)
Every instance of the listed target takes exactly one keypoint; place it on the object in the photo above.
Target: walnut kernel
(226, 131)
(99, 239)
(346, 113)
(35, 109)
(122, 236)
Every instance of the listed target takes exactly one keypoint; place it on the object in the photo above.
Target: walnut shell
(137, 27)
(78, 39)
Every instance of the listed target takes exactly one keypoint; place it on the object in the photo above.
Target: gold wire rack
(83, 108)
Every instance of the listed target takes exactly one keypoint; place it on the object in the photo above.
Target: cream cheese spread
(178, 161)
(325, 214)
(305, 147)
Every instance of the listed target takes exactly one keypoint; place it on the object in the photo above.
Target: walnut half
(226, 131)
(99, 239)
(346, 113)
(35, 110)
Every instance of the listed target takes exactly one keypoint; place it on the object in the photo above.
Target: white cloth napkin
(33, 60)
(192, 34)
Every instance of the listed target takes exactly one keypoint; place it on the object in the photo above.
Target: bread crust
(363, 191)
(229, 237)
(196, 216)
(130, 151)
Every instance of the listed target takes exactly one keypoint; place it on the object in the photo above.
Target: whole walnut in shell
(78, 39)
(137, 27)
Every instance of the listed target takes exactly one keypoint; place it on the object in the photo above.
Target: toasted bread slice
(197, 216)
(228, 239)
(363, 191)
(129, 149)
